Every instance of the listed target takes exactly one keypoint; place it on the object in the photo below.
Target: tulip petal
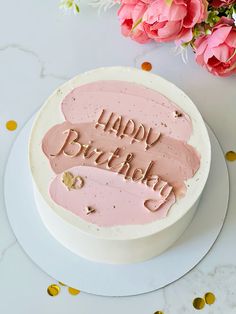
(223, 52)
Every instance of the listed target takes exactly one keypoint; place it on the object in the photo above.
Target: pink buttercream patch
(118, 201)
(85, 103)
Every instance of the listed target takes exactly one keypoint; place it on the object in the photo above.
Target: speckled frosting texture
(105, 122)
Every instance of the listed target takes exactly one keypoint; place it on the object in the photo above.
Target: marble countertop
(40, 48)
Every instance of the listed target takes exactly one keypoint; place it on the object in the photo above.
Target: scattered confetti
(72, 182)
(73, 291)
(209, 298)
(146, 66)
(53, 290)
(89, 210)
(177, 114)
(230, 156)
(11, 125)
(198, 303)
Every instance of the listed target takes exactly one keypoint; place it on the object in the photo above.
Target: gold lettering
(71, 147)
(116, 126)
(167, 190)
(74, 142)
(126, 165)
(154, 179)
(103, 124)
(87, 154)
(137, 171)
(67, 132)
(164, 189)
(114, 155)
(146, 174)
(140, 134)
(100, 155)
(149, 144)
(127, 131)
(152, 204)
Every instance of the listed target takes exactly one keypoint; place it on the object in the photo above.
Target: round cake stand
(106, 279)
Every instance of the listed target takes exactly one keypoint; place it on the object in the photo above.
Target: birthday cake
(119, 159)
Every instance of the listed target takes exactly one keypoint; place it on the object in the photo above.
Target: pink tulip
(221, 3)
(135, 1)
(130, 16)
(217, 52)
(167, 20)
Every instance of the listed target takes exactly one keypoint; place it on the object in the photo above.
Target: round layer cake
(119, 159)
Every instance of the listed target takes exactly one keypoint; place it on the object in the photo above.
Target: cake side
(112, 251)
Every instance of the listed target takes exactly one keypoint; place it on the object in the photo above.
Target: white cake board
(105, 279)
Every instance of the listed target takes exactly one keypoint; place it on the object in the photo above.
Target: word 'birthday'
(136, 132)
(108, 161)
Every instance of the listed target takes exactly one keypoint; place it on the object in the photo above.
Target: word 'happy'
(138, 133)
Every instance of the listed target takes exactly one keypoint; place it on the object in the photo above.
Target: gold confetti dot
(73, 291)
(146, 66)
(198, 303)
(158, 312)
(62, 284)
(11, 125)
(209, 298)
(230, 156)
(53, 290)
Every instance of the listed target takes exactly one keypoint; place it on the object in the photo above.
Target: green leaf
(70, 4)
(184, 45)
(136, 24)
(76, 8)
(208, 32)
(213, 18)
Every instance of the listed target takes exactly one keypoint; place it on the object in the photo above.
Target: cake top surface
(120, 155)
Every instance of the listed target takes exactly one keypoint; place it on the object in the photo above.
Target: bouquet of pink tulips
(209, 27)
